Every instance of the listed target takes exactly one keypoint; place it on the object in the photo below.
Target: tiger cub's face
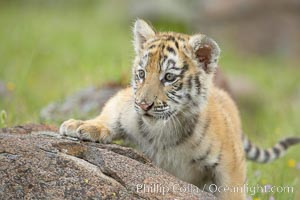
(172, 72)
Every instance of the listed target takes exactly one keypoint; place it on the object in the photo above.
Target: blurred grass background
(50, 49)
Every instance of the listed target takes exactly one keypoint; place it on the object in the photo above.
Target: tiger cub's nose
(145, 106)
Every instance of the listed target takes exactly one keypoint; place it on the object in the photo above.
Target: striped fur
(176, 115)
(260, 155)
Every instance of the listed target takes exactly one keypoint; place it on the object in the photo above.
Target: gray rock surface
(38, 163)
(83, 104)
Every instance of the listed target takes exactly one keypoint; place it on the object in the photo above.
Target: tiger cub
(176, 115)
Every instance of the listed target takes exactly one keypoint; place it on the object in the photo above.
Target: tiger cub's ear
(206, 51)
(142, 32)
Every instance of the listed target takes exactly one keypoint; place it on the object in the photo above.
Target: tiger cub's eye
(141, 73)
(170, 77)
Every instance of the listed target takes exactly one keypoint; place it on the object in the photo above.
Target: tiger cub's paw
(86, 130)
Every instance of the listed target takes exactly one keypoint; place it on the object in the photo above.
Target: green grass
(48, 52)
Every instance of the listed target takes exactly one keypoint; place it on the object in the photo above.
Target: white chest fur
(159, 141)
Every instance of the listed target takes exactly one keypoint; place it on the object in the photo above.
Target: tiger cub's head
(172, 72)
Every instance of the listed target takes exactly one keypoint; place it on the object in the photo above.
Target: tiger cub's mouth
(148, 115)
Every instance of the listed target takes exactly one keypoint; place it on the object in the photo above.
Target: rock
(37, 163)
(82, 104)
(29, 128)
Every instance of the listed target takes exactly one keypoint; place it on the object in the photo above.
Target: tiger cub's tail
(261, 155)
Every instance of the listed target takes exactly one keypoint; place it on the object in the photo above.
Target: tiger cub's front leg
(91, 130)
(100, 129)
